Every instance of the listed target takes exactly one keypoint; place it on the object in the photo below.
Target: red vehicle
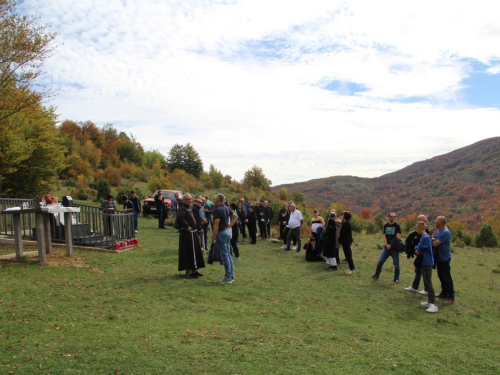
(149, 206)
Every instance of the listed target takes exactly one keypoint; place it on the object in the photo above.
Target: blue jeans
(223, 241)
(383, 257)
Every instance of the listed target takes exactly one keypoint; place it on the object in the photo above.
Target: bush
(486, 237)
(459, 243)
(103, 189)
(372, 228)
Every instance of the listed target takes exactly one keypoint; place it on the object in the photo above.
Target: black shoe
(197, 274)
(333, 268)
(194, 276)
(374, 277)
(298, 251)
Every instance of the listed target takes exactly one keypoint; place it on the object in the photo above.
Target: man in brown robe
(190, 253)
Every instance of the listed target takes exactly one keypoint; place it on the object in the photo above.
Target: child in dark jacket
(312, 251)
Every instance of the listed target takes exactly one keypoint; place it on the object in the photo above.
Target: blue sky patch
(345, 87)
(481, 89)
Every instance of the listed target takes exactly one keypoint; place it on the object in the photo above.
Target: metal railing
(90, 226)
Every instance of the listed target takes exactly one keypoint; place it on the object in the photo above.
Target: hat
(333, 215)
(312, 239)
(198, 200)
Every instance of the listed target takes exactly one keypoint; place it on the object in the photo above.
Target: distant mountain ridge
(463, 185)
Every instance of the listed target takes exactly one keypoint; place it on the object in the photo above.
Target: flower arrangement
(50, 199)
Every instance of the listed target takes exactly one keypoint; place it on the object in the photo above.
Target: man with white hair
(295, 223)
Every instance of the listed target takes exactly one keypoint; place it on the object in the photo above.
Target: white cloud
(243, 80)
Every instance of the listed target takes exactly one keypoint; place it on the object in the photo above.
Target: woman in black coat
(235, 233)
(330, 243)
(345, 238)
(251, 221)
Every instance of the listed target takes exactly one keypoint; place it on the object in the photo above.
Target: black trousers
(262, 229)
(348, 255)
(252, 232)
(444, 274)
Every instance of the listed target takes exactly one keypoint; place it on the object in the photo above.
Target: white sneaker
(410, 289)
(136, 231)
(283, 247)
(294, 247)
(426, 304)
(225, 281)
(432, 308)
(423, 292)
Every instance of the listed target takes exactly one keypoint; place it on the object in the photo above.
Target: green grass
(133, 313)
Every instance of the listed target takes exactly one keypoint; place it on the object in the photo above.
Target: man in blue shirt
(442, 244)
(224, 219)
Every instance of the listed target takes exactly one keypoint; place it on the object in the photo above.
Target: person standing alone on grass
(224, 220)
(424, 249)
(392, 232)
(295, 223)
(442, 243)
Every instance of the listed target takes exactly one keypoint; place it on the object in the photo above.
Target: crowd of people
(230, 221)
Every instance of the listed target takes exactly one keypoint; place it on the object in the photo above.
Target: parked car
(149, 205)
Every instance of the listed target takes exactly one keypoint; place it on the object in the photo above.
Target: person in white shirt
(295, 224)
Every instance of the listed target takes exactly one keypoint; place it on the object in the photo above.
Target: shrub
(103, 188)
(486, 237)
(459, 243)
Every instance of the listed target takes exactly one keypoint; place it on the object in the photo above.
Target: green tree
(255, 177)
(216, 176)
(185, 158)
(283, 194)
(298, 197)
(154, 155)
(103, 189)
(43, 155)
(23, 47)
(486, 237)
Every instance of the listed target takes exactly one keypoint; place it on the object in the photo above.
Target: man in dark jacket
(137, 208)
(160, 209)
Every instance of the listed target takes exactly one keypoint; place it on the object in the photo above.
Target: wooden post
(40, 236)
(46, 228)
(18, 237)
(68, 233)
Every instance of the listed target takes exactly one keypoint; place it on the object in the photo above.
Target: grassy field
(133, 313)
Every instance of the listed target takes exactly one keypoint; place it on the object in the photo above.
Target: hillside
(462, 185)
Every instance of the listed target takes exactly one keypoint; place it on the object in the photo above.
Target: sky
(302, 89)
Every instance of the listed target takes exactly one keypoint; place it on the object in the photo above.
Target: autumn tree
(185, 158)
(42, 155)
(31, 155)
(23, 47)
(255, 177)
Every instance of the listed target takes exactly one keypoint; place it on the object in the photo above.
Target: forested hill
(463, 184)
